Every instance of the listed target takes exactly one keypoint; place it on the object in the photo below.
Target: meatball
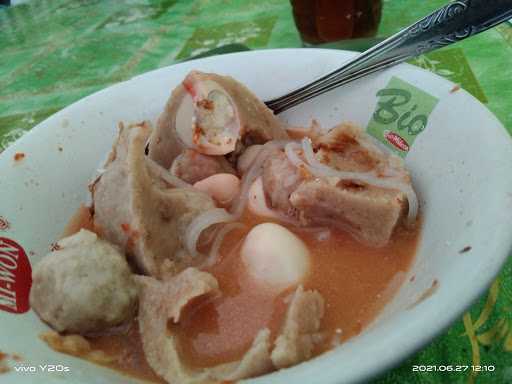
(84, 286)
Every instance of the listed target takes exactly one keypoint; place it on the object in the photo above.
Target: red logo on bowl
(15, 277)
(396, 140)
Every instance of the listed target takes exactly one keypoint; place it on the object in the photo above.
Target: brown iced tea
(323, 21)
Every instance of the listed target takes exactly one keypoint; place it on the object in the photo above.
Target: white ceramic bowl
(460, 165)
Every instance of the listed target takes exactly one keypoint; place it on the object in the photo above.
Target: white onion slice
(165, 175)
(217, 243)
(200, 223)
(413, 203)
(289, 150)
(319, 169)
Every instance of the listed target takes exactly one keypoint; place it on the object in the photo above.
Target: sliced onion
(217, 243)
(319, 169)
(165, 175)
(413, 203)
(252, 173)
(202, 222)
(289, 150)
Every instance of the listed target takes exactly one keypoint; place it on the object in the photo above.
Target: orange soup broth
(222, 328)
(355, 280)
(125, 347)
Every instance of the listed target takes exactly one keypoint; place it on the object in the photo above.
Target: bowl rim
(312, 371)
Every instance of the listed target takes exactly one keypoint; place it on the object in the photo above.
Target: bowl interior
(460, 166)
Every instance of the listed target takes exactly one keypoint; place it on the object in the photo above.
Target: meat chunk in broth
(163, 302)
(348, 182)
(280, 179)
(214, 115)
(83, 286)
(135, 209)
(299, 333)
(370, 214)
(192, 166)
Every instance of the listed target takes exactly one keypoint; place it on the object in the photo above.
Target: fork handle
(454, 22)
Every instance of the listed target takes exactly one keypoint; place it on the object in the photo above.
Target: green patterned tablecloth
(45, 44)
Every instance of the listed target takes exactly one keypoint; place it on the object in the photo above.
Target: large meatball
(84, 286)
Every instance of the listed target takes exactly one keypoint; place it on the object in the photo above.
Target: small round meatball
(84, 286)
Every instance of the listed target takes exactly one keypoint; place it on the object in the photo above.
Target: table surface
(44, 45)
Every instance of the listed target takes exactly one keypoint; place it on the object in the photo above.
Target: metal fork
(455, 21)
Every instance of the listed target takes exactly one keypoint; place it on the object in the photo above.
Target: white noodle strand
(217, 243)
(202, 222)
(320, 169)
(289, 150)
